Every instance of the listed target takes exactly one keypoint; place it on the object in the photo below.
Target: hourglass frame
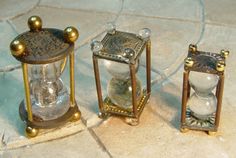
(137, 45)
(44, 46)
(194, 62)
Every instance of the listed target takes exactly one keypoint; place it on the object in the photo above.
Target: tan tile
(220, 12)
(79, 145)
(12, 8)
(183, 9)
(101, 5)
(9, 34)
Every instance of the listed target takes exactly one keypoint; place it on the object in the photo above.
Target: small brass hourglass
(204, 72)
(43, 53)
(119, 52)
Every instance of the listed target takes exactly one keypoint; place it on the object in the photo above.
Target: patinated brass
(43, 46)
(204, 62)
(17, 48)
(115, 47)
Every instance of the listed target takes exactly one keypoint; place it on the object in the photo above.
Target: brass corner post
(134, 86)
(185, 95)
(72, 79)
(219, 96)
(98, 83)
(148, 65)
(27, 91)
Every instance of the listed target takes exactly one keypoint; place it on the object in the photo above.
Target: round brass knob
(189, 62)
(17, 48)
(71, 34)
(224, 53)
(220, 66)
(192, 48)
(31, 132)
(35, 23)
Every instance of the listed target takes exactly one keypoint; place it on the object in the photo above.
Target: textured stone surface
(9, 34)
(79, 145)
(13, 8)
(221, 12)
(181, 9)
(90, 5)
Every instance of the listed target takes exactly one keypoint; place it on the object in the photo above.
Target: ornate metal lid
(206, 62)
(43, 45)
(121, 46)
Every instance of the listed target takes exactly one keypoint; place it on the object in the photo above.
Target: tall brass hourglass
(43, 53)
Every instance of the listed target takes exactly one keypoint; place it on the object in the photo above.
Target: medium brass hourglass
(119, 52)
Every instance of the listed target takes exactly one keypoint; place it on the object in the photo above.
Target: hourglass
(43, 53)
(204, 73)
(119, 53)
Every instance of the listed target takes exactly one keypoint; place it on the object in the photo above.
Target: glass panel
(49, 97)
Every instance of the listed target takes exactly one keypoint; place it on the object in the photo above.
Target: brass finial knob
(31, 132)
(189, 62)
(35, 23)
(220, 66)
(192, 48)
(71, 34)
(224, 53)
(17, 48)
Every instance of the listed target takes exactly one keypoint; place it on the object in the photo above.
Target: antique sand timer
(204, 73)
(119, 53)
(43, 53)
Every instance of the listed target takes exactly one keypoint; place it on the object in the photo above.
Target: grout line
(16, 16)
(97, 139)
(166, 74)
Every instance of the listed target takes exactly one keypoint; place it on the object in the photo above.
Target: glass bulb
(203, 102)
(120, 92)
(119, 88)
(202, 107)
(144, 33)
(203, 82)
(49, 97)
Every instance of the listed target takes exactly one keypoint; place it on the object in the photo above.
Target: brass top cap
(204, 61)
(43, 45)
(122, 47)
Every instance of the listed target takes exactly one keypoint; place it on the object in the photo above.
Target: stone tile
(182, 9)
(170, 38)
(9, 34)
(90, 5)
(12, 8)
(158, 134)
(79, 145)
(220, 12)
(89, 24)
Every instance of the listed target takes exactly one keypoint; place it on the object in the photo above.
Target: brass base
(111, 109)
(184, 130)
(210, 131)
(32, 127)
(132, 121)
